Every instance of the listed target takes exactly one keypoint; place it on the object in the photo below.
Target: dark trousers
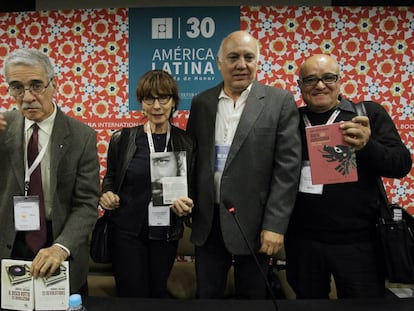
(141, 266)
(356, 268)
(213, 262)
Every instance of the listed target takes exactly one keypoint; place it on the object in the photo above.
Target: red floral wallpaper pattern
(374, 46)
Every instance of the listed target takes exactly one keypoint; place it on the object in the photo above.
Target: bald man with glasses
(332, 230)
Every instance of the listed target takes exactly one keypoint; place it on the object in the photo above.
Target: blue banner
(182, 41)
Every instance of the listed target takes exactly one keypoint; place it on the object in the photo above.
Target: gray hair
(30, 58)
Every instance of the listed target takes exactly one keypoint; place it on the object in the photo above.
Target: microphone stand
(269, 288)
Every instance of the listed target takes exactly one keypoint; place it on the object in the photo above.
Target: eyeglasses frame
(30, 89)
(321, 79)
(154, 98)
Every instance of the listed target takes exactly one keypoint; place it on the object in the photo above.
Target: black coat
(120, 154)
(347, 212)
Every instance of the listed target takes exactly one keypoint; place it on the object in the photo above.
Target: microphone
(229, 206)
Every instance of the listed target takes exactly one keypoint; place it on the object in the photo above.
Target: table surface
(115, 304)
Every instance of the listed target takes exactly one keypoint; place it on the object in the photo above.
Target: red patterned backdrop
(374, 46)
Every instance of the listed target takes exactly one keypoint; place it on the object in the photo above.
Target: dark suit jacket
(262, 169)
(74, 182)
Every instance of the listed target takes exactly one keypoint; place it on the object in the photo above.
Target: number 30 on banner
(206, 27)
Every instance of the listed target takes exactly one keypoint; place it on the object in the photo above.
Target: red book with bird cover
(332, 160)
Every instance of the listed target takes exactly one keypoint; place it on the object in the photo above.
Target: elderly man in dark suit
(67, 188)
(249, 159)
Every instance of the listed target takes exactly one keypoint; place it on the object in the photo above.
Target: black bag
(99, 249)
(398, 245)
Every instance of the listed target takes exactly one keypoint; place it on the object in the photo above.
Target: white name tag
(305, 183)
(158, 215)
(26, 213)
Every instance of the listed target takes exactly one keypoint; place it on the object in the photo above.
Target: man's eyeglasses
(327, 79)
(162, 99)
(36, 88)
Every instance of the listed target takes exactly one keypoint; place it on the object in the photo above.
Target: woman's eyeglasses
(162, 99)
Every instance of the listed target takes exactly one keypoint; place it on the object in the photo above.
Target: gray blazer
(74, 182)
(262, 169)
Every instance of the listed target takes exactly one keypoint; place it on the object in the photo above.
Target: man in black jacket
(332, 228)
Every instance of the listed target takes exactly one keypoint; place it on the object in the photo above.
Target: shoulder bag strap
(360, 109)
(123, 144)
(385, 210)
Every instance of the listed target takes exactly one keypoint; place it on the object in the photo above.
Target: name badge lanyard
(150, 140)
(330, 120)
(29, 170)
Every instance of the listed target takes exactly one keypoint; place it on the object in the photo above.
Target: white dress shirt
(227, 120)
